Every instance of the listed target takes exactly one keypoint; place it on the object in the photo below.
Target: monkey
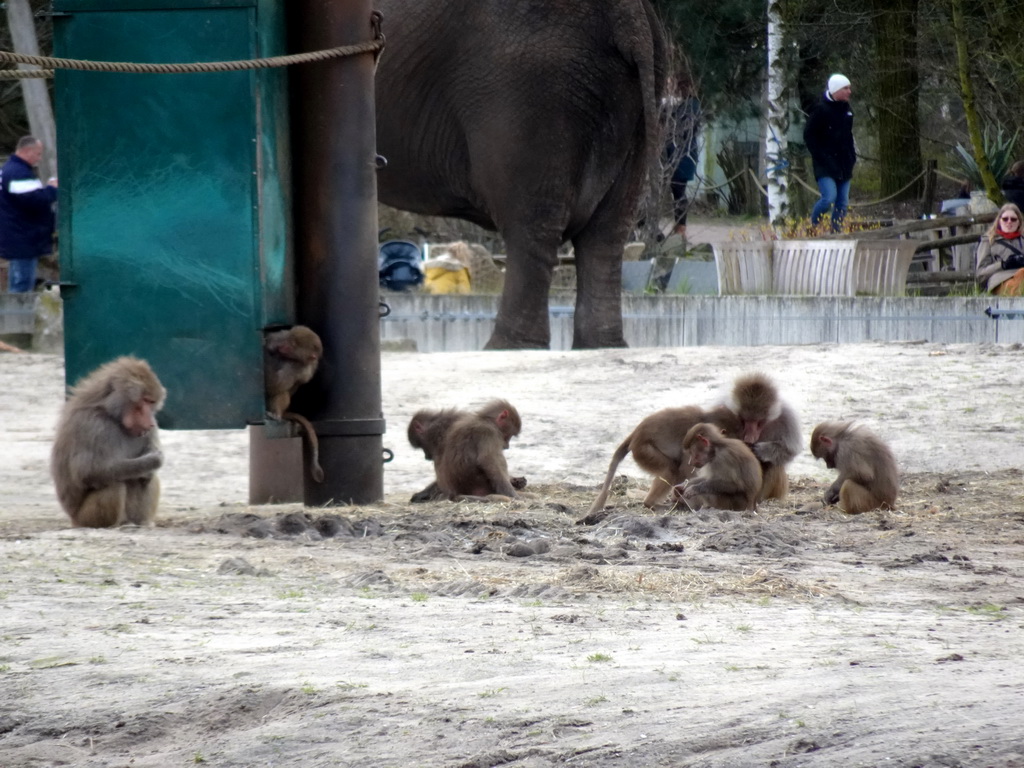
(657, 447)
(466, 449)
(769, 426)
(728, 474)
(427, 428)
(290, 358)
(429, 431)
(868, 476)
(107, 450)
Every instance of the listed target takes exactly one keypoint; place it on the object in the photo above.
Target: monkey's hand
(832, 494)
(139, 468)
(148, 463)
(694, 488)
(771, 453)
(430, 493)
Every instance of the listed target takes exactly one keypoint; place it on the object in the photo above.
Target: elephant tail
(617, 457)
(643, 39)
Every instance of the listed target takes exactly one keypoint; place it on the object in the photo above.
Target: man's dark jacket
(26, 212)
(1013, 189)
(829, 138)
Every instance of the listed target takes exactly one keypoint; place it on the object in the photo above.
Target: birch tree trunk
(33, 90)
(775, 148)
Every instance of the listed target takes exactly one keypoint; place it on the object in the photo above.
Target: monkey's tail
(315, 470)
(617, 457)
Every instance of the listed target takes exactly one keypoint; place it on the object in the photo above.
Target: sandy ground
(476, 635)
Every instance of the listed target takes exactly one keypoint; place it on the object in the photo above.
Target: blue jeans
(22, 275)
(832, 194)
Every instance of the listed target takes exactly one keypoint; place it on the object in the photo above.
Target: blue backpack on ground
(399, 265)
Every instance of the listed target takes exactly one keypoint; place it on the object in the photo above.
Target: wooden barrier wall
(462, 323)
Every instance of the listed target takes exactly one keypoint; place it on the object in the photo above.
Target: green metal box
(174, 200)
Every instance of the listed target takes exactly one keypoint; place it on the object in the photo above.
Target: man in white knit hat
(829, 138)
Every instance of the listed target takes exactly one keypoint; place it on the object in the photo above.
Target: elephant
(535, 118)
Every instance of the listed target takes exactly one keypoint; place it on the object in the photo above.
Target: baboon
(290, 358)
(868, 476)
(769, 426)
(428, 430)
(657, 448)
(468, 450)
(107, 449)
(728, 474)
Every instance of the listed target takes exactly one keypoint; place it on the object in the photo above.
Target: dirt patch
(512, 635)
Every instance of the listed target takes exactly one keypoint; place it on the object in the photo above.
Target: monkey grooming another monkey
(107, 449)
(290, 358)
(428, 431)
(728, 474)
(467, 450)
(657, 448)
(868, 476)
(769, 427)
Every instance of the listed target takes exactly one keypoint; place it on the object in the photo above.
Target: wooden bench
(881, 266)
(744, 267)
(814, 267)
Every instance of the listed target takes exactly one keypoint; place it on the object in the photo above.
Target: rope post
(335, 215)
(928, 191)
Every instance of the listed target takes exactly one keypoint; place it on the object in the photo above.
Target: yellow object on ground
(445, 274)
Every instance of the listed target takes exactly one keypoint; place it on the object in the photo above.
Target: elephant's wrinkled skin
(533, 117)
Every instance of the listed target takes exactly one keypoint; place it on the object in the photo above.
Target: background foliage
(899, 54)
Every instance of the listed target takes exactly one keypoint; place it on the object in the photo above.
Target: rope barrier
(895, 194)
(50, 63)
(945, 175)
(24, 74)
(207, 66)
(851, 205)
(725, 183)
(757, 182)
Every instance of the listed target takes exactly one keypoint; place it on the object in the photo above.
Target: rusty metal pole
(335, 212)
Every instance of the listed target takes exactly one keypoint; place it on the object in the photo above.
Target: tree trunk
(33, 90)
(775, 146)
(899, 131)
(970, 111)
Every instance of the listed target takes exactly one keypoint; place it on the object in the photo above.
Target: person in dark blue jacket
(26, 214)
(829, 138)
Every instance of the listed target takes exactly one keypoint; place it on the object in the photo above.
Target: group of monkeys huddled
(730, 456)
(107, 451)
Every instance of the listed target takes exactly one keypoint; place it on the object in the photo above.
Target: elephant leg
(598, 247)
(523, 321)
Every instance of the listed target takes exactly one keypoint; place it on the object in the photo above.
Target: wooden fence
(460, 323)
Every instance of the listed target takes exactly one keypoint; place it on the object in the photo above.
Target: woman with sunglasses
(1001, 254)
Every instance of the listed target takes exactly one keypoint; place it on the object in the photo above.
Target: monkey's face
(139, 417)
(507, 425)
(823, 448)
(700, 452)
(752, 430)
(418, 436)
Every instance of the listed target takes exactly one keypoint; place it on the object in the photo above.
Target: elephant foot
(500, 341)
(589, 343)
